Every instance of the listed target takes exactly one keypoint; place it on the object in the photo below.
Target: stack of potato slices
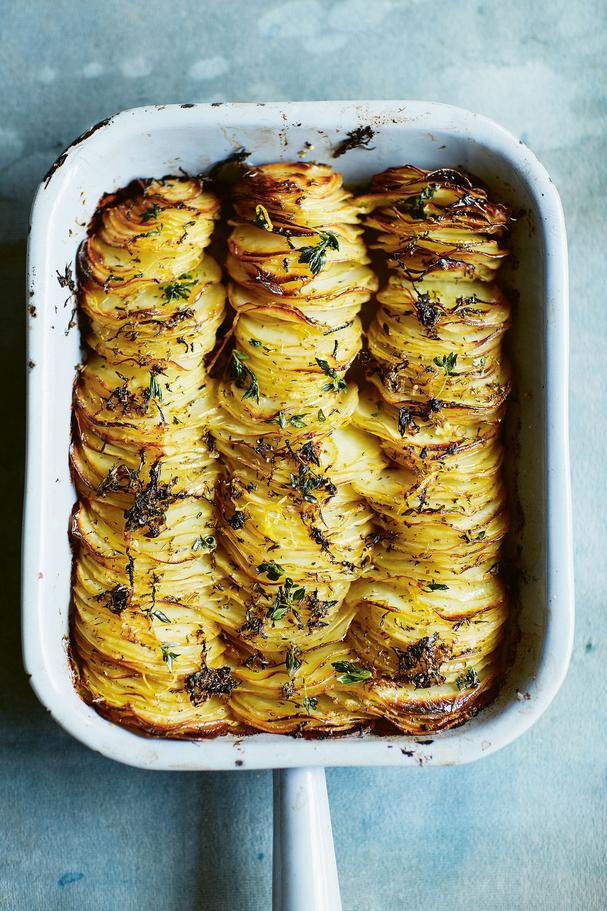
(430, 618)
(294, 530)
(271, 551)
(148, 651)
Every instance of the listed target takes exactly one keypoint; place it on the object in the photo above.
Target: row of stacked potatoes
(270, 550)
(144, 580)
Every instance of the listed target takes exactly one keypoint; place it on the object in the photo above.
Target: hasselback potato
(146, 647)
(294, 529)
(430, 614)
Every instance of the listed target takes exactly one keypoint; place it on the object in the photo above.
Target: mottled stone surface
(522, 829)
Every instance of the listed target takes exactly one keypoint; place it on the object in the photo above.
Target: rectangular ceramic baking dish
(160, 140)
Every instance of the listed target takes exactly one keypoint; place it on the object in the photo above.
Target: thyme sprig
(316, 257)
(271, 569)
(152, 213)
(307, 481)
(338, 383)
(350, 672)
(468, 680)
(293, 660)
(288, 597)
(243, 374)
(447, 362)
(179, 289)
(167, 655)
(416, 205)
(310, 703)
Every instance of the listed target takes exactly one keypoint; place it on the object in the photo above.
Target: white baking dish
(160, 140)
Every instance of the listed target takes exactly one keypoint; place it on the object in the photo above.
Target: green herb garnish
(243, 374)
(158, 614)
(272, 570)
(350, 672)
(207, 542)
(167, 655)
(437, 587)
(287, 597)
(416, 205)
(153, 231)
(468, 680)
(310, 703)
(447, 362)
(321, 416)
(306, 481)
(178, 290)
(337, 384)
(152, 213)
(295, 420)
(316, 256)
(293, 660)
(154, 391)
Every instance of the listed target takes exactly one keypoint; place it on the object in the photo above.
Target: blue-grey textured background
(522, 829)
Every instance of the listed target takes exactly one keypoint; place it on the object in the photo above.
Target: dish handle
(304, 866)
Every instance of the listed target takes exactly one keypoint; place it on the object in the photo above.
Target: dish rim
(266, 750)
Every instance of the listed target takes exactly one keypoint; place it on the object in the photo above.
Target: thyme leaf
(242, 374)
(310, 703)
(154, 391)
(287, 597)
(338, 383)
(151, 214)
(206, 542)
(316, 257)
(468, 680)
(272, 570)
(167, 655)
(158, 614)
(306, 481)
(178, 290)
(416, 205)
(350, 672)
(293, 660)
(447, 362)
